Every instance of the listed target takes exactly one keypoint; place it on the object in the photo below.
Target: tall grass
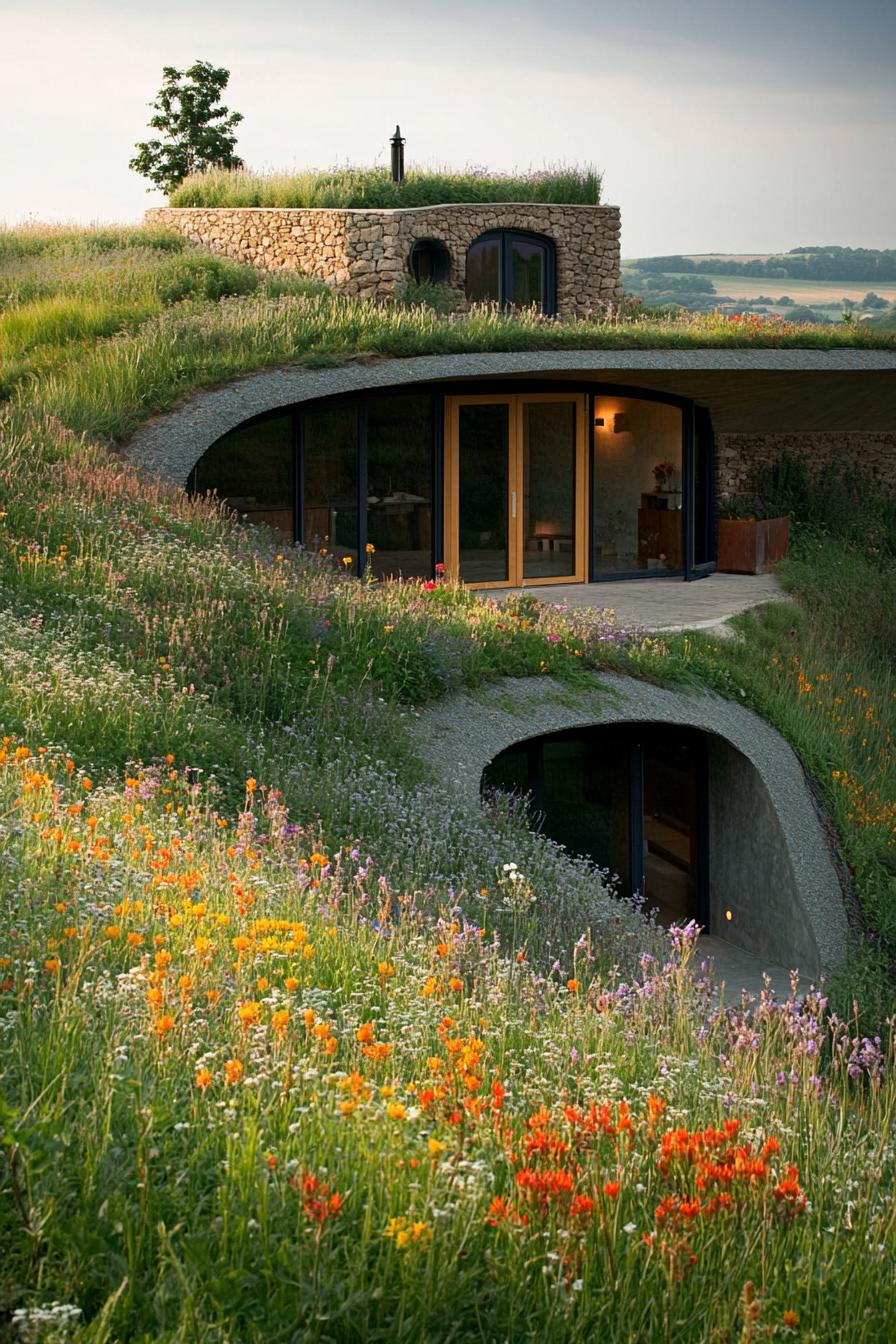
(251, 1094)
(291, 1044)
(373, 188)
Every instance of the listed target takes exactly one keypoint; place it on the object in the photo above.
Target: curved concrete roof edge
(171, 444)
(460, 735)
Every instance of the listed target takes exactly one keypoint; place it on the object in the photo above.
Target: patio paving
(736, 970)
(663, 603)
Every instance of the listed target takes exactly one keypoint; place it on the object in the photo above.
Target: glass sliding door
(399, 486)
(703, 495)
(515, 489)
(483, 492)
(670, 825)
(330, 481)
(549, 489)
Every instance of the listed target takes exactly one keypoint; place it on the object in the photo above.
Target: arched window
(430, 261)
(512, 269)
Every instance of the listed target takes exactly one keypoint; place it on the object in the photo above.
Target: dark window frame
(440, 265)
(506, 238)
(696, 421)
(635, 738)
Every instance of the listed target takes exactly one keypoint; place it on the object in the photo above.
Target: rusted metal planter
(752, 545)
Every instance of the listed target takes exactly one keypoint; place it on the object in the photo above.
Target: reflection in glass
(638, 486)
(484, 271)
(251, 470)
(579, 783)
(330, 449)
(399, 485)
(585, 799)
(483, 463)
(528, 271)
(670, 825)
(549, 489)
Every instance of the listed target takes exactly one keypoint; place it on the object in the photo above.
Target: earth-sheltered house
(537, 468)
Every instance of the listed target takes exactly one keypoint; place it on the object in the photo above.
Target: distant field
(811, 292)
(804, 291)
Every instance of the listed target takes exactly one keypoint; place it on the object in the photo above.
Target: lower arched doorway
(632, 798)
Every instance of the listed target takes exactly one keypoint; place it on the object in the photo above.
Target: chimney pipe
(397, 143)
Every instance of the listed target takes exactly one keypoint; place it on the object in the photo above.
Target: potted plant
(751, 538)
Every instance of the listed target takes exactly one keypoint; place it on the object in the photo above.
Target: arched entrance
(632, 798)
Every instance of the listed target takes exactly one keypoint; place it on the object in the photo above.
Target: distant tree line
(800, 263)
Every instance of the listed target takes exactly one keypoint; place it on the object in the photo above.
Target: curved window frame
(698, 488)
(506, 238)
(440, 264)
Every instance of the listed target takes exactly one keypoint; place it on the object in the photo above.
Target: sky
(719, 125)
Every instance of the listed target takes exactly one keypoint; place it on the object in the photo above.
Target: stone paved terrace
(663, 603)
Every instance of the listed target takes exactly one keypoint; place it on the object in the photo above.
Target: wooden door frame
(515, 402)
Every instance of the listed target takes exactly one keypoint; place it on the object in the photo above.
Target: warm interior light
(728, 915)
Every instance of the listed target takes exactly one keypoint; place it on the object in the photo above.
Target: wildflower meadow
(295, 1047)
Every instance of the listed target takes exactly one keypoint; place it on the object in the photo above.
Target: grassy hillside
(290, 1045)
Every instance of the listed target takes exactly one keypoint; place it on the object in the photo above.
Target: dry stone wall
(365, 253)
(740, 456)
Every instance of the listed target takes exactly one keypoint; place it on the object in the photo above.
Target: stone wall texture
(740, 456)
(364, 253)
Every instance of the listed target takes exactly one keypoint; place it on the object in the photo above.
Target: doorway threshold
(737, 969)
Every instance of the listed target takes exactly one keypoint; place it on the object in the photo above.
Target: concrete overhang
(745, 390)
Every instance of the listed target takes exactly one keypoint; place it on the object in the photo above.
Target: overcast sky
(729, 125)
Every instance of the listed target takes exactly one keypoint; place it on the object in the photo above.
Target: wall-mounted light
(599, 422)
(728, 915)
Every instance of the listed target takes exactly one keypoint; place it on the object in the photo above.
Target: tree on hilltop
(197, 130)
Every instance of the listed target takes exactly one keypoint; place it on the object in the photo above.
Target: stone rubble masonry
(364, 253)
(740, 456)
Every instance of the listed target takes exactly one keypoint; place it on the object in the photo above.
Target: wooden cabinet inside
(659, 538)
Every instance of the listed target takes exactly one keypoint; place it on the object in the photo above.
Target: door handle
(513, 503)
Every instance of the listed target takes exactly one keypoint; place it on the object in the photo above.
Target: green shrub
(204, 277)
(440, 299)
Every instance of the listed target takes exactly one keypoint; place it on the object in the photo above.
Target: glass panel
(670, 827)
(528, 273)
(703, 483)
(484, 271)
(484, 466)
(585, 799)
(251, 469)
(549, 489)
(509, 772)
(330, 446)
(638, 514)
(399, 485)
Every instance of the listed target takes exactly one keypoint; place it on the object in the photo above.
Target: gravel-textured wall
(740, 456)
(365, 252)
(786, 899)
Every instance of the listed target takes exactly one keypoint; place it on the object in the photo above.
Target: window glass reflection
(527, 262)
(549, 489)
(251, 470)
(330, 451)
(637, 486)
(399, 485)
(484, 464)
(484, 271)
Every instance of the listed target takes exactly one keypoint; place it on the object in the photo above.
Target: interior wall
(751, 877)
(635, 436)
